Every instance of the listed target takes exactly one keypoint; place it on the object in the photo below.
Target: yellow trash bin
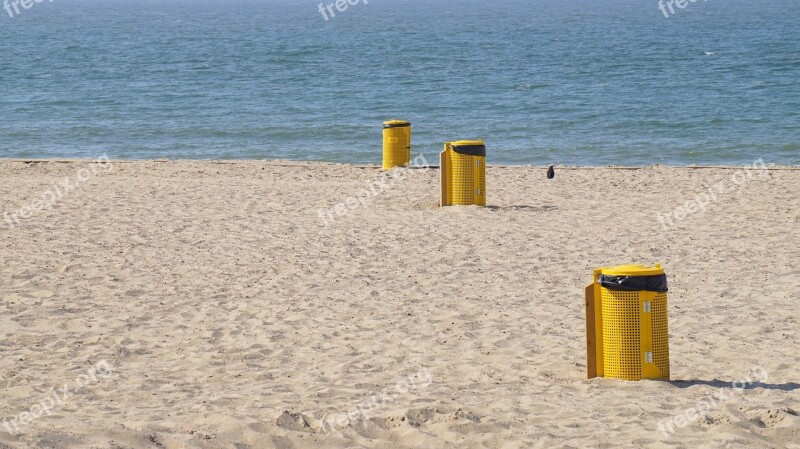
(463, 173)
(626, 323)
(396, 144)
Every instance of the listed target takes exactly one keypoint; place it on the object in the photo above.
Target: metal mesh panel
(661, 335)
(463, 178)
(480, 185)
(622, 357)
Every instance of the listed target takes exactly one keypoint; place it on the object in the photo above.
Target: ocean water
(577, 82)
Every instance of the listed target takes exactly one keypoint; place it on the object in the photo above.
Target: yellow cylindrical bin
(626, 323)
(396, 144)
(463, 173)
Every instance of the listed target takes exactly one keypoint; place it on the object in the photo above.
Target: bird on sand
(551, 173)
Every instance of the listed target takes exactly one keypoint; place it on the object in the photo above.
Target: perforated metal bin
(626, 323)
(463, 173)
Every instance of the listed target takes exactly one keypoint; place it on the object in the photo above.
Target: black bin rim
(656, 283)
(471, 150)
(396, 125)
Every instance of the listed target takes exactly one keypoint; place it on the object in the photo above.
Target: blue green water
(557, 81)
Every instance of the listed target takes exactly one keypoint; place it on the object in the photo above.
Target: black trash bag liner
(470, 150)
(657, 283)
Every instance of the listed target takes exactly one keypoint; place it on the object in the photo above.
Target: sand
(208, 305)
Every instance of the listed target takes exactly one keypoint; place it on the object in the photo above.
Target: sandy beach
(281, 304)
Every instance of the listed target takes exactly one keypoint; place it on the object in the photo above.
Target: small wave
(709, 53)
(533, 86)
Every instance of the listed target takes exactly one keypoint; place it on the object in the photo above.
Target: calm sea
(557, 81)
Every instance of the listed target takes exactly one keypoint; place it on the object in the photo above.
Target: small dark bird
(551, 173)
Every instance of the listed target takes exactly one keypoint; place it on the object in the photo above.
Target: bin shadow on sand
(524, 207)
(789, 386)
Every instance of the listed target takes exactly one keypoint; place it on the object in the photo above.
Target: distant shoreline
(304, 163)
